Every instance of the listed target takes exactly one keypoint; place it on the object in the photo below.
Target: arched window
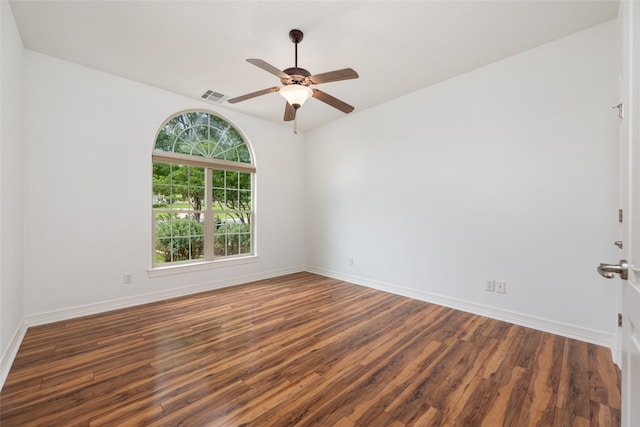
(203, 177)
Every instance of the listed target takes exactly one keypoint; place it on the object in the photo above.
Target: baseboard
(89, 309)
(546, 325)
(541, 324)
(616, 349)
(12, 350)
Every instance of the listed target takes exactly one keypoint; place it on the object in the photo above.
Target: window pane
(179, 237)
(232, 234)
(245, 199)
(220, 244)
(204, 135)
(232, 179)
(178, 186)
(245, 243)
(218, 178)
(245, 181)
(231, 198)
(243, 154)
(231, 190)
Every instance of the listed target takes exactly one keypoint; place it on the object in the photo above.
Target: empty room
(319, 213)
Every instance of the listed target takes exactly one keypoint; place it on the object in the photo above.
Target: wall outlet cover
(490, 286)
(127, 278)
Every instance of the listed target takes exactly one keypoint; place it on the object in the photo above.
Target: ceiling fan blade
(289, 112)
(334, 76)
(252, 95)
(268, 67)
(334, 102)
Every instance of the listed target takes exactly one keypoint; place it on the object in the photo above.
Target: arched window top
(201, 134)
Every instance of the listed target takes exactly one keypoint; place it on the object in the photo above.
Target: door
(629, 266)
(630, 203)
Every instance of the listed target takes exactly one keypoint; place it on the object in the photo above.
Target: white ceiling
(396, 47)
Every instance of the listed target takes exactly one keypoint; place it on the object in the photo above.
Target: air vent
(214, 96)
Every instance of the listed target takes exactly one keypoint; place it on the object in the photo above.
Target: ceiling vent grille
(214, 96)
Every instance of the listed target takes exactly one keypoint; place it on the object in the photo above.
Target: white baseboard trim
(546, 325)
(10, 354)
(101, 307)
(534, 322)
(616, 349)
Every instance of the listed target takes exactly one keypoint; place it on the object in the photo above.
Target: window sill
(200, 266)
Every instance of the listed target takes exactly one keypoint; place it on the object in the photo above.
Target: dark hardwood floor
(304, 350)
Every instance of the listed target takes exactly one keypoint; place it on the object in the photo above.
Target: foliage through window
(202, 191)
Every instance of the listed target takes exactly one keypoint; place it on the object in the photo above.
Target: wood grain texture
(304, 350)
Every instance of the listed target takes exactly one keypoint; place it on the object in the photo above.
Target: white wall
(508, 173)
(11, 189)
(88, 140)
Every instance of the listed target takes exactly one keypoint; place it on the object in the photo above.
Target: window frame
(209, 260)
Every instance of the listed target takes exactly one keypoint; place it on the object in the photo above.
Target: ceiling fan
(296, 82)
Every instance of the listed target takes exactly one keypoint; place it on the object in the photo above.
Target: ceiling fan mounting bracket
(296, 36)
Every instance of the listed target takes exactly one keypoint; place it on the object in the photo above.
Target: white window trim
(167, 270)
(205, 162)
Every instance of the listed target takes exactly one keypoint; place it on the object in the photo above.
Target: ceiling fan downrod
(296, 37)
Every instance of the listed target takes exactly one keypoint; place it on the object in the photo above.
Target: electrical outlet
(501, 287)
(491, 286)
(127, 278)
(351, 261)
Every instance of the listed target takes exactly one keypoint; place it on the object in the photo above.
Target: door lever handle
(610, 270)
(604, 273)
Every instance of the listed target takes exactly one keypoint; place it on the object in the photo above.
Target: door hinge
(620, 320)
(620, 108)
(620, 215)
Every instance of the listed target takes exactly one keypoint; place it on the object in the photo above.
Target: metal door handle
(610, 270)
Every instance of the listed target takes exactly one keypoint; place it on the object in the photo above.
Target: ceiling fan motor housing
(296, 76)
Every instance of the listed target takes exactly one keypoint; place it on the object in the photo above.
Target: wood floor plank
(475, 402)
(304, 350)
(576, 405)
(538, 407)
(603, 378)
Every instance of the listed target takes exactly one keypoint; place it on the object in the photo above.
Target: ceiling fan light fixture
(296, 94)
